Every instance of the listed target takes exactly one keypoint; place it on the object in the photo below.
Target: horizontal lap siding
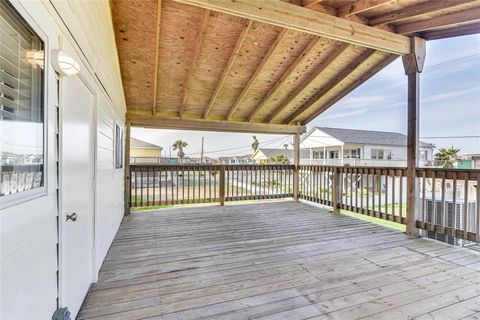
(28, 230)
(109, 181)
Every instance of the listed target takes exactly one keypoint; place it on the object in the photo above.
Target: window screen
(21, 105)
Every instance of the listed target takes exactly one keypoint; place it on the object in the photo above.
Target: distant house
(198, 160)
(142, 152)
(9, 158)
(335, 146)
(468, 161)
(244, 159)
(265, 155)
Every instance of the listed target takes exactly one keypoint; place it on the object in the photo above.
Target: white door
(77, 192)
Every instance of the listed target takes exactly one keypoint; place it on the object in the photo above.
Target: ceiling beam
(151, 121)
(259, 68)
(157, 56)
(444, 21)
(313, 75)
(302, 19)
(415, 10)
(196, 53)
(331, 84)
(451, 32)
(360, 6)
(282, 79)
(226, 71)
(370, 73)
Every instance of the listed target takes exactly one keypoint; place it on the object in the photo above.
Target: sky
(449, 106)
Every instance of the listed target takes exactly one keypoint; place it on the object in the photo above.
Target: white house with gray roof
(335, 146)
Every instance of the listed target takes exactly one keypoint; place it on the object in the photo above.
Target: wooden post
(336, 190)
(127, 169)
(296, 170)
(222, 185)
(413, 64)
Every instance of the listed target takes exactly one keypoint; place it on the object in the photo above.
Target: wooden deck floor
(281, 260)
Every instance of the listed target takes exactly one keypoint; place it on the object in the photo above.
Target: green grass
(381, 222)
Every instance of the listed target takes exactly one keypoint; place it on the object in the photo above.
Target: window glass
(118, 147)
(21, 105)
(378, 154)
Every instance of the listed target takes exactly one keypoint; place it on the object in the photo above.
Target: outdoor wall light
(64, 64)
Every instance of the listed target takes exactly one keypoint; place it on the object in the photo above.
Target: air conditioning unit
(432, 206)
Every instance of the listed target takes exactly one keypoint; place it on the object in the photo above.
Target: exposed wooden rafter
(282, 79)
(452, 32)
(317, 4)
(300, 88)
(259, 68)
(309, 21)
(151, 121)
(157, 56)
(414, 11)
(309, 3)
(286, 81)
(196, 53)
(360, 6)
(449, 20)
(226, 71)
(370, 73)
(330, 85)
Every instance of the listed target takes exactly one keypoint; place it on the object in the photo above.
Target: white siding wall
(28, 230)
(110, 182)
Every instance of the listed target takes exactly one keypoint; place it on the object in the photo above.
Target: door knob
(72, 216)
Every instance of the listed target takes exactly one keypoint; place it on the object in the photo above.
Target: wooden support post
(127, 169)
(296, 170)
(222, 185)
(413, 64)
(336, 190)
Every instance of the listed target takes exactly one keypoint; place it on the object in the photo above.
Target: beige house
(264, 155)
(144, 152)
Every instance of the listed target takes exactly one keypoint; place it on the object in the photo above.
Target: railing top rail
(8, 168)
(208, 165)
(354, 167)
(469, 174)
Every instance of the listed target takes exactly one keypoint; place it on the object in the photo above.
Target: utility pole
(201, 155)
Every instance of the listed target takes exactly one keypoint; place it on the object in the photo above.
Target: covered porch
(272, 67)
(278, 260)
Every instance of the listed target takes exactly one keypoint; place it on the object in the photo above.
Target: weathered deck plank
(278, 260)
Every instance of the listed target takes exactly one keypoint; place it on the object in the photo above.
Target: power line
(450, 137)
(245, 147)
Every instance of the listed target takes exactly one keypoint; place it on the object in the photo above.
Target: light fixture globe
(64, 64)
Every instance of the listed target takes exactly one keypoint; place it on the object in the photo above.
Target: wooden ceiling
(264, 65)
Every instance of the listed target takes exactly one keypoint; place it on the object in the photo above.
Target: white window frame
(29, 195)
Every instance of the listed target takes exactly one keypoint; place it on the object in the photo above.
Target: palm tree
(179, 145)
(255, 143)
(446, 157)
(279, 159)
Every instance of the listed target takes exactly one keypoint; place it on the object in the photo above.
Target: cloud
(449, 95)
